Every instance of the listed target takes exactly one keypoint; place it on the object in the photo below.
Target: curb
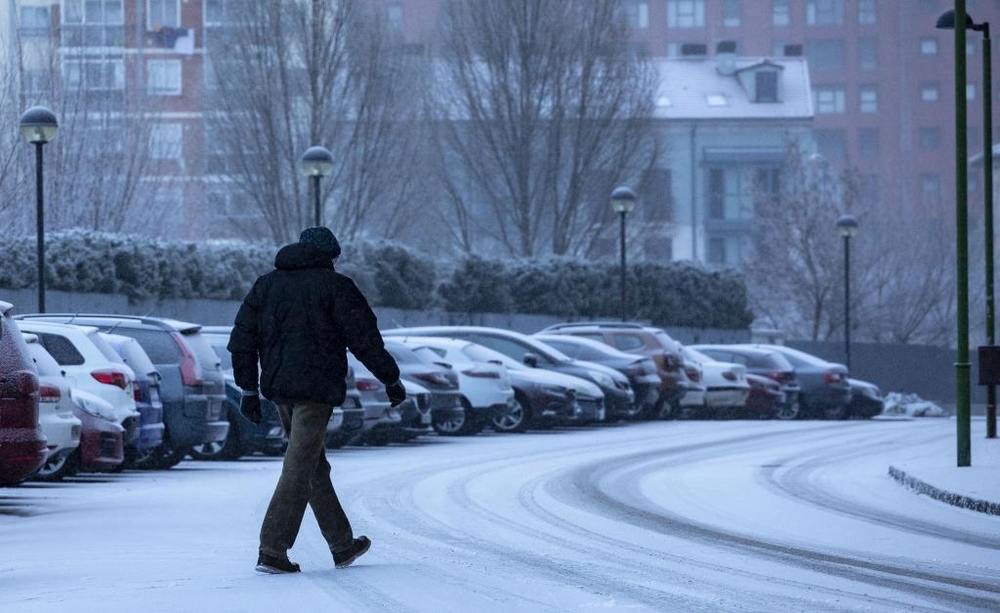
(958, 500)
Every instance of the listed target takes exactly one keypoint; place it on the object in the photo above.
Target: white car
(725, 383)
(92, 365)
(55, 414)
(485, 385)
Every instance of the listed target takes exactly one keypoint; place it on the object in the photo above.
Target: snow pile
(910, 405)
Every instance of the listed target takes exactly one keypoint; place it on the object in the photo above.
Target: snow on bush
(910, 405)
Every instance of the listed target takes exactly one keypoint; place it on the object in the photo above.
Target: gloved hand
(396, 393)
(250, 407)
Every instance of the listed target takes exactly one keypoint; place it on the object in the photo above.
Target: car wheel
(836, 412)
(56, 468)
(513, 419)
(230, 448)
(789, 411)
(462, 425)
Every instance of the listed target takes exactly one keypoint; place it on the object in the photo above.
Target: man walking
(299, 319)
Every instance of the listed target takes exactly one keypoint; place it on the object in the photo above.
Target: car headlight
(601, 379)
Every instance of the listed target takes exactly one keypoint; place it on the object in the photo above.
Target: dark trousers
(305, 479)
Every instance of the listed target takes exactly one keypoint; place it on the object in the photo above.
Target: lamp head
(847, 226)
(317, 162)
(38, 125)
(622, 200)
(947, 21)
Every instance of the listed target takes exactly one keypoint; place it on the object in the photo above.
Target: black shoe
(345, 558)
(275, 565)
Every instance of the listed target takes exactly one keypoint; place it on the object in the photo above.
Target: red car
(22, 445)
(766, 397)
(101, 437)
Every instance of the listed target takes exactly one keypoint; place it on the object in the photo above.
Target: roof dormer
(762, 81)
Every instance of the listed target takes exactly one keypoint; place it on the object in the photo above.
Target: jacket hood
(300, 255)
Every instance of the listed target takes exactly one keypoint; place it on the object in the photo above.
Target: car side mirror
(530, 359)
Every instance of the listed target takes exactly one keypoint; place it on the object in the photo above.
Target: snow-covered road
(668, 516)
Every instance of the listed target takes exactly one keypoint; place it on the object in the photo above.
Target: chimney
(694, 50)
(725, 58)
(793, 50)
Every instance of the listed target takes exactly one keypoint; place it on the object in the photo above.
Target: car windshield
(104, 347)
(801, 358)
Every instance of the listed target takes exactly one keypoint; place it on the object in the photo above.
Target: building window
(928, 46)
(929, 92)
(828, 99)
(867, 54)
(219, 12)
(780, 16)
(825, 12)
(868, 99)
(930, 185)
(34, 21)
(166, 141)
(717, 251)
(94, 23)
(867, 13)
(636, 14)
(394, 16)
(686, 13)
(94, 75)
(868, 146)
(930, 138)
(163, 14)
(826, 54)
(766, 86)
(657, 195)
(731, 17)
(970, 91)
(163, 77)
(831, 144)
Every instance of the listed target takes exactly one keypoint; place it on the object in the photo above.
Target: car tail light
(109, 376)
(136, 391)
(368, 385)
(189, 367)
(49, 393)
(692, 373)
(480, 373)
(730, 376)
(435, 379)
(832, 376)
(18, 384)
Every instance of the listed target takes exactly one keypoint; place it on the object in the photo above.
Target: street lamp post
(39, 126)
(623, 203)
(847, 226)
(317, 162)
(958, 20)
(947, 21)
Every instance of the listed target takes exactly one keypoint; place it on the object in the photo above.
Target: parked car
(640, 370)
(484, 385)
(414, 414)
(542, 398)
(380, 416)
(766, 363)
(617, 392)
(192, 388)
(22, 443)
(642, 340)
(726, 387)
(147, 400)
(244, 437)
(92, 365)
(693, 400)
(765, 400)
(483, 394)
(825, 391)
(866, 399)
(101, 438)
(55, 414)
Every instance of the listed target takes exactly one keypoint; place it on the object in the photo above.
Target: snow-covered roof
(693, 88)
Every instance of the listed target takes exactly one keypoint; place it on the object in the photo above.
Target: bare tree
(534, 100)
(289, 75)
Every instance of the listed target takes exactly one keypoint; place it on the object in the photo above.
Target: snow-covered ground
(667, 516)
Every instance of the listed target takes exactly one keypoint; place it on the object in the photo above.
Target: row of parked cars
(83, 392)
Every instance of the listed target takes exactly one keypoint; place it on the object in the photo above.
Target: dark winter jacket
(298, 319)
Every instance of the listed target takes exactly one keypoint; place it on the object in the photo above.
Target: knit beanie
(322, 239)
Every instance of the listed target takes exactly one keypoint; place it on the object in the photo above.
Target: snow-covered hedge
(678, 294)
(390, 274)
